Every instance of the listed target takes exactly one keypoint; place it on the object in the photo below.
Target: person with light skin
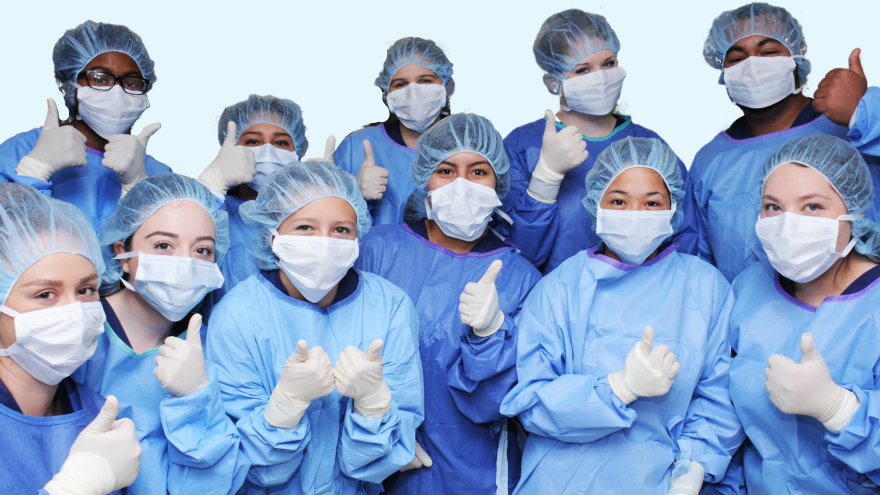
(416, 84)
(812, 425)
(622, 354)
(468, 286)
(161, 246)
(578, 52)
(92, 158)
(50, 318)
(310, 422)
(760, 50)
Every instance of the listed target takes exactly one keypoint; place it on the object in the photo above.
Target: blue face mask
(269, 160)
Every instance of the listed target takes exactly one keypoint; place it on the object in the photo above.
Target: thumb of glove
(103, 422)
(147, 132)
(491, 274)
(301, 354)
(375, 351)
(808, 349)
(194, 330)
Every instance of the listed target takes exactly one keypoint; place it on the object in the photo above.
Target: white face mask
(758, 82)
(172, 285)
(595, 93)
(462, 209)
(417, 105)
(269, 160)
(51, 343)
(634, 235)
(109, 112)
(801, 247)
(314, 264)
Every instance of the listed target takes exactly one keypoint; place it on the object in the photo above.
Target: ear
(119, 248)
(552, 84)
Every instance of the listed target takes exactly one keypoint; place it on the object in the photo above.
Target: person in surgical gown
(805, 326)
(623, 355)
(416, 84)
(447, 261)
(317, 361)
(578, 53)
(93, 157)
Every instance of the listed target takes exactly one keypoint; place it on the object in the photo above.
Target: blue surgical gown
(794, 453)
(34, 448)
(239, 263)
(94, 188)
(727, 186)
(188, 444)
(548, 234)
(576, 327)
(388, 154)
(333, 450)
(466, 376)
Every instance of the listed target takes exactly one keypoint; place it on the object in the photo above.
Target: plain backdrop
(326, 55)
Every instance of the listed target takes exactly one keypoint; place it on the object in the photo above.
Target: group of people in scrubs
(433, 308)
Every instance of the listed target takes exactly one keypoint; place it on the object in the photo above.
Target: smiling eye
(251, 142)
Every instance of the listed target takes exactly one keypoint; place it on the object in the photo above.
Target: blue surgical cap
(567, 38)
(632, 152)
(144, 199)
(266, 110)
(756, 19)
(78, 46)
(847, 172)
(33, 226)
(457, 133)
(291, 188)
(416, 51)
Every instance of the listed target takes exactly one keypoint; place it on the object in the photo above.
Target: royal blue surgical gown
(726, 174)
(576, 327)
(94, 188)
(790, 453)
(333, 450)
(388, 154)
(34, 448)
(548, 234)
(188, 444)
(466, 376)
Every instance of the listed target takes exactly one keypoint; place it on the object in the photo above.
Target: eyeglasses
(103, 81)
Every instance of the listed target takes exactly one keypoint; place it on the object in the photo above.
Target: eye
(304, 227)
(281, 143)
(582, 70)
(772, 207)
(427, 80)
(813, 207)
(204, 251)
(653, 204)
(86, 291)
(46, 294)
(610, 63)
(398, 84)
(251, 142)
(162, 246)
(342, 230)
(617, 202)
(480, 171)
(734, 60)
(444, 171)
(770, 52)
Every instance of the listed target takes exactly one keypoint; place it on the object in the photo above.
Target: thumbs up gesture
(371, 178)
(359, 376)
(646, 372)
(329, 148)
(478, 303)
(307, 375)
(180, 366)
(233, 165)
(807, 388)
(103, 458)
(124, 154)
(838, 95)
(57, 148)
(560, 151)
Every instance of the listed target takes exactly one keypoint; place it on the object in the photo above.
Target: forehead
(638, 177)
(182, 216)
(328, 210)
(753, 42)
(266, 129)
(116, 62)
(412, 71)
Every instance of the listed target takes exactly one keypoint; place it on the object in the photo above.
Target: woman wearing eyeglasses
(91, 159)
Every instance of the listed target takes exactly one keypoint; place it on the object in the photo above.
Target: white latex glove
(359, 376)
(478, 304)
(180, 366)
(124, 154)
(105, 457)
(689, 482)
(422, 459)
(233, 165)
(646, 372)
(329, 148)
(807, 388)
(307, 375)
(372, 179)
(57, 148)
(560, 152)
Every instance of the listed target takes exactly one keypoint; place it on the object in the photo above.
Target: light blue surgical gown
(576, 327)
(726, 174)
(548, 234)
(94, 188)
(794, 453)
(466, 376)
(188, 444)
(333, 450)
(388, 154)
(239, 263)
(34, 448)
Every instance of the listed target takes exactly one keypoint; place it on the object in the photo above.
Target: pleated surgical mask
(314, 264)
(109, 112)
(633, 235)
(417, 105)
(269, 159)
(462, 209)
(758, 82)
(595, 93)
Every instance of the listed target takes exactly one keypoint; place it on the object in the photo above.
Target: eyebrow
(205, 238)
(801, 198)
(609, 59)
(108, 71)
(472, 164)
(159, 232)
(760, 45)
(44, 282)
(88, 278)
